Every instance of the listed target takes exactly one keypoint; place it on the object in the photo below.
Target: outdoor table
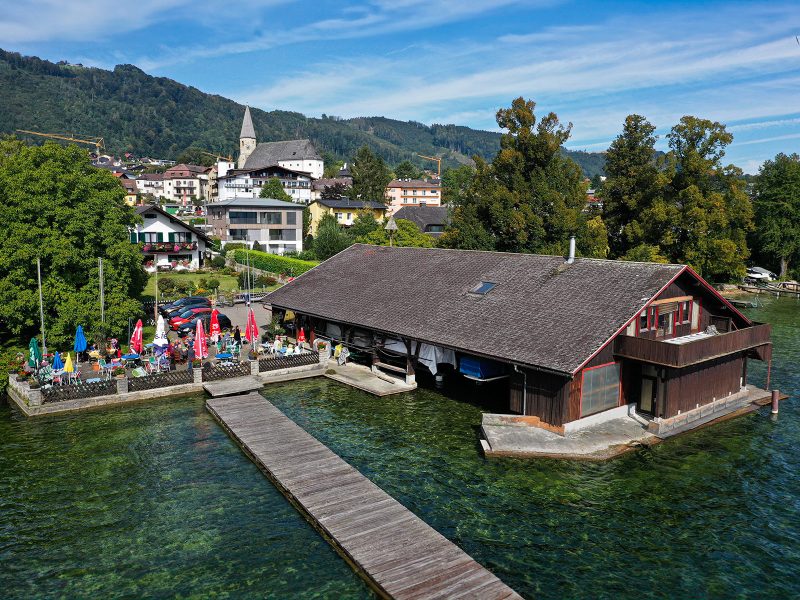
(93, 380)
(132, 356)
(224, 355)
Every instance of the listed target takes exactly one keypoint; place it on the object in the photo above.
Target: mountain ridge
(159, 117)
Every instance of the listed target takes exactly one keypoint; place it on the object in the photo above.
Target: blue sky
(456, 61)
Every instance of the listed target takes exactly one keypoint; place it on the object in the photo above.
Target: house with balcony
(184, 183)
(413, 192)
(151, 183)
(562, 340)
(247, 183)
(165, 240)
(276, 225)
(344, 211)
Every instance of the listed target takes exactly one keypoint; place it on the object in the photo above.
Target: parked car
(178, 310)
(186, 316)
(183, 302)
(759, 274)
(191, 326)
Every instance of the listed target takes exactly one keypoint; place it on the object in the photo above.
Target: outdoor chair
(138, 372)
(106, 368)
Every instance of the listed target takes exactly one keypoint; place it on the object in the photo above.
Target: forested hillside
(159, 117)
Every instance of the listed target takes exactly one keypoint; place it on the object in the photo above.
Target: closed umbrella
(136, 338)
(58, 364)
(301, 337)
(35, 358)
(214, 329)
(200, 344)
(68, 367)
(160, 339)
(251, 331)
(80, 343)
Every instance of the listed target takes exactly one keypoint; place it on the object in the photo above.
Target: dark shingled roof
(542, 312)
(424, 216)
(267, 154)
(345, 202)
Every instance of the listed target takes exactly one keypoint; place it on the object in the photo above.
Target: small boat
(481, 370)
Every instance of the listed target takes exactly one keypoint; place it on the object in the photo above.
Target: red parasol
(213, 328)
(251, 331)
(136, 338)
(200, 344)
(301, 337)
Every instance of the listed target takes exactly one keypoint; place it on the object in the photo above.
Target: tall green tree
(273, 188)
(531, 198)
(330, 239)
(54, 205)
(364, 224)
(707, 213)
(777, 210)
(407, 235)
(455, 183)
(407, 170)
(635, 182)
(336, 191)
(370, 176)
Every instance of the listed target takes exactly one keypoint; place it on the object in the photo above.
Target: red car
(187, 316)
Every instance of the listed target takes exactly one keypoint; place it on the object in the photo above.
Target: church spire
(247, 138)
(248, 131)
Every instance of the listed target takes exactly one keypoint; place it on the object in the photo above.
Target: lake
(155, 500)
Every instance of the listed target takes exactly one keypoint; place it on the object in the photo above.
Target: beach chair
(105, 368)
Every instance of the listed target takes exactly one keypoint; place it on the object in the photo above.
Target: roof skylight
(484, 287)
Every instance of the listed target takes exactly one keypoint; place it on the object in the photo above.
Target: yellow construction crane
(217, 156)
(97, 142)
(438, 164)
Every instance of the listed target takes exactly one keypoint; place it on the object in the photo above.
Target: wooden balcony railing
(690, 353)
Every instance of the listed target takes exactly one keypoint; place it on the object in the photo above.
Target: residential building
(563, 338)
(277, 226)
(247, 183)
(165, 239)
(413, 192)
(297, 155)
(131, 191)
(345, 211)
(151, 183)
(430, 219)
(182, 183)
(318, 186)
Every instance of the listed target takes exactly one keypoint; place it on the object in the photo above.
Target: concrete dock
(396, 552)
(363, 378)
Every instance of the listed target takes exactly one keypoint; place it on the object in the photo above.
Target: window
(238, 234)
(349, 216)
(291, 218)
(151, 238)
(434, 228)
(271, 218)
(686, 312)
(338, 216)
(600, 389)
(149, 215)
(643, 320)
(484, 287)
(243, 217)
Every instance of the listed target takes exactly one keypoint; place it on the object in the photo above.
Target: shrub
(256, 246)
(118, 371)
(265, 280)
(166, 286)
(233, 246)
(218, 262)
(213, 284)
(273, 263)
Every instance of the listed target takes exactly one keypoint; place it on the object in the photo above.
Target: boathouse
(568, 338)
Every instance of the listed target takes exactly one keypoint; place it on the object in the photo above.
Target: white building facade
(165, 239)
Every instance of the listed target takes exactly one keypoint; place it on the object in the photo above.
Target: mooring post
(775, 398)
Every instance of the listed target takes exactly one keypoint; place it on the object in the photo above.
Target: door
(647, 399)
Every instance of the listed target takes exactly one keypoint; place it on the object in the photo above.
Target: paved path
(394, 550)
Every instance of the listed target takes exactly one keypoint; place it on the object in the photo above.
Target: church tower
(247, 138)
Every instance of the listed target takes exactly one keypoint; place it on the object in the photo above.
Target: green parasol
(35, 358)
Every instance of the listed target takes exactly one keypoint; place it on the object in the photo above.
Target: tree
(777, 209)
(531, 198)
(56, 206)
(364, 224)
(273, 188)
(407, 170)
(336, 191)
(635, 183)
(707, 214)
(455, 183)
(332, 166)
(370, 176)
(466, 231)
(306, 221)
(407, 234)
(331, 238)
(195, 156)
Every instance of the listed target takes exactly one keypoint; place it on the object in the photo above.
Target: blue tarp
(480, 368)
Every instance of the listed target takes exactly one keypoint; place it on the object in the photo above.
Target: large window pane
(600, 389)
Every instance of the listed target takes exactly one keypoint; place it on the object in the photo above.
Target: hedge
(274, 263)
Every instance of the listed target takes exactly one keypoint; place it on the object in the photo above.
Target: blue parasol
(80, 340)
(58, 364)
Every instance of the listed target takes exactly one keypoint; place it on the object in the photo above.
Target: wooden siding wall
(546, 396)
(700, 384)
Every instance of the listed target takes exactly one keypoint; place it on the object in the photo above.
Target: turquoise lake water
(155, 500)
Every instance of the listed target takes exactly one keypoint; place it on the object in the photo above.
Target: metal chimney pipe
(571, 257)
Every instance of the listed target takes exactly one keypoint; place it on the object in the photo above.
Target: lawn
(226, 282)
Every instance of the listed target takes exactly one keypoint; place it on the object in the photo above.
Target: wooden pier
(396, 552)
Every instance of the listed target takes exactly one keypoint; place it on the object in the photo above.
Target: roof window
(483, 288)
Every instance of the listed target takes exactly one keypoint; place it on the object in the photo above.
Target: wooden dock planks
(394, 550)
(230, 387)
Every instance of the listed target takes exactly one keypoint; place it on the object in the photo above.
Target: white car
(759, 274)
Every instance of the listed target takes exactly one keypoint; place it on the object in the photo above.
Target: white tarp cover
(430, 356)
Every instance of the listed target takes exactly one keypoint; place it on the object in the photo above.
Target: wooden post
(775, 398)
(769, 369)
